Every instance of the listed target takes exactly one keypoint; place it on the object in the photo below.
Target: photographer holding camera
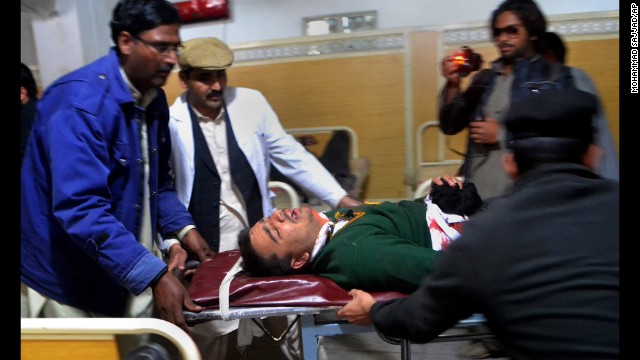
(516, 27)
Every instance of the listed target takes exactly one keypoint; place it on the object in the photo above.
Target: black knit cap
(552, 114)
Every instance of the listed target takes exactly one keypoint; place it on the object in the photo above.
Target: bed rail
(329, 129)
(79, 329)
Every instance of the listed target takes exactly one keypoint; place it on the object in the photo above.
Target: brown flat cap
(205, 53)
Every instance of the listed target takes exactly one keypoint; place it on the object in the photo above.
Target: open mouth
(293, 214)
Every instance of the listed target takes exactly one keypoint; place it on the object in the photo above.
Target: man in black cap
(541, 263)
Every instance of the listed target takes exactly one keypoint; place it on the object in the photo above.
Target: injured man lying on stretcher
(376, 247)
(399, 243)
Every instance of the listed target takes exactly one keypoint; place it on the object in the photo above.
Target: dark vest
(205, 197)
(530, 77)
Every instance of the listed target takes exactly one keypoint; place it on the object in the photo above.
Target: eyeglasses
(510, 31)
(162, 49)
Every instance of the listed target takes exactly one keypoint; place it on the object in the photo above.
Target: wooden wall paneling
(172, 88)
(426, 85)
(425, 71)
(600, 58)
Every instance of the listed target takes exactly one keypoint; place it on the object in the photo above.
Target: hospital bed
(227, 294)
(316, 140)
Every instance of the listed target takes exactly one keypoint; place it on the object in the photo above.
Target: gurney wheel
(405, 345)
(389, 339)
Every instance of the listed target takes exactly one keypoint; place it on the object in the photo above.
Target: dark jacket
(482, 163)
(541, 264)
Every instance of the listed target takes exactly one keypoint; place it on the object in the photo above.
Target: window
(340, 23)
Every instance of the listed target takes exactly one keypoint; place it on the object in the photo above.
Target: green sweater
(384, 247)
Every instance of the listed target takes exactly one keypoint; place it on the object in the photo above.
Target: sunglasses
(510, 31)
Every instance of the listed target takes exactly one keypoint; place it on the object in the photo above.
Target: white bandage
(442, 234)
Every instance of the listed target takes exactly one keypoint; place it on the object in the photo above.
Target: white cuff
(165, 244)
(184, 231)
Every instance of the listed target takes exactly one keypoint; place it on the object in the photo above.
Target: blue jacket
(82, 191)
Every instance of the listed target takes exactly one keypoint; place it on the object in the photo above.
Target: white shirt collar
(323, 235)
(206, 118)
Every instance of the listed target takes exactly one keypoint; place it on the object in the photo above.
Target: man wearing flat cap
(224, 140)
(540, 263)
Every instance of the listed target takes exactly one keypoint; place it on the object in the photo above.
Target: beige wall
(601, 60)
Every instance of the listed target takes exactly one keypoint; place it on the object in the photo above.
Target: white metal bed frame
(86, 328)
(329, 129)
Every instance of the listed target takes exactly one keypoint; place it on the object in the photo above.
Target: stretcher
(226, 294)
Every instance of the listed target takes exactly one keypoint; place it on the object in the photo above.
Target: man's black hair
(28, 81)
(530, 153)
(552, 126)
(528, 12)
(136, 16)
(257, 265)
(551, 43)
(454, 200)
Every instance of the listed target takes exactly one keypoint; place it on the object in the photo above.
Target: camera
(467, 60)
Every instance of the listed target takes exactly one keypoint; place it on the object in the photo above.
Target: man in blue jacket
(96, 186)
